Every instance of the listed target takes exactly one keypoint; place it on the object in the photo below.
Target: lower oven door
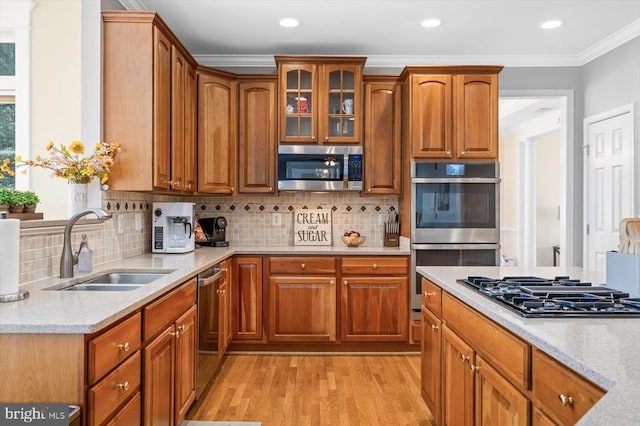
(447, 255)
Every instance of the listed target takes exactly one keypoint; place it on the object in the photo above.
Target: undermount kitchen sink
(113, 281)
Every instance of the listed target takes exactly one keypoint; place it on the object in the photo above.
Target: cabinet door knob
(330, 282)
(375, 266)
(345, 282)
(474, 368)
(462, 153)
(123, 386)
(303, 266)
(464, 358)
(448, 153)
(565, 400)
(124, 346)
(271, 188)
(434, 327)
(175, 333)
(182, 328)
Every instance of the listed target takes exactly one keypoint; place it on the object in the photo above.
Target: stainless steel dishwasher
(208, 359)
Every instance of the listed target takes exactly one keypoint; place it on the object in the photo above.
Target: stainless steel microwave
(319, 168)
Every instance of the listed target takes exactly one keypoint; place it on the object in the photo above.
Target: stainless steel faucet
(68, 259)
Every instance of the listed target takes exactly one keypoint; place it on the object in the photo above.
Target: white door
(609, 187)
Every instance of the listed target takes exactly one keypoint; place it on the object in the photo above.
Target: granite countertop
(79, 312)
(604, 350)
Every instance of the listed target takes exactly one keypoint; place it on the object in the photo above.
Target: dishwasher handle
(204, 279)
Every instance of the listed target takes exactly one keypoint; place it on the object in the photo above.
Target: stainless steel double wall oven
(455, 209)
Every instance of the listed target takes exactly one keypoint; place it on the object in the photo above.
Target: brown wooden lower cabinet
(169, 359)
(302, 309)
(247, 298)
(559, 392)
(130, 414)
(498, 402)
(374, 309)
(482, 376)
(457, 379)
(431, 363)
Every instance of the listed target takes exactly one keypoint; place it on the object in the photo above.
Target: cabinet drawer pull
(428, 294)
(123, 386)
(303, 266)
(345, 282)
(124, 346)
(565, 400)
(375, 266)
(434, 327)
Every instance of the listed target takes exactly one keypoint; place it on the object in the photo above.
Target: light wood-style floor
(305, 389)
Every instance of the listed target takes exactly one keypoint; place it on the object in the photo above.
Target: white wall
(55, 93)
(548, 229)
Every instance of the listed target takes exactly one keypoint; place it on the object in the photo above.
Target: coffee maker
(216, 227)
(172, 228)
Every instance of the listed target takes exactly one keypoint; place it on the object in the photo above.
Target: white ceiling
(243, 33)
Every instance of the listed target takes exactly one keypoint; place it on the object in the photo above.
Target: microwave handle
(455, 180)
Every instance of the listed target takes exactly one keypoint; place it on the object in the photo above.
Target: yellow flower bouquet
(70, 163)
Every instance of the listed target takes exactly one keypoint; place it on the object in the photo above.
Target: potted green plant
(5, 197)
(16, 202)
(30, 200)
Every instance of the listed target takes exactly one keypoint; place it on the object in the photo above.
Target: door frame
(567, 157)
(624, 109)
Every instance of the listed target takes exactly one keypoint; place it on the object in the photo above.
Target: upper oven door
(455, 203)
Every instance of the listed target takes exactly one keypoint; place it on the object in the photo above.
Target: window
(7, 59)
(7, 135)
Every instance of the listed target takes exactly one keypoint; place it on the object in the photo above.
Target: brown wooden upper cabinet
(150, 109)
(217, 129)
(320, 99)
(382, 142)
(453, 112)
(257, 134)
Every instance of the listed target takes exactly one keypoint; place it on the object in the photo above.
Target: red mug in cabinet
(303, 106)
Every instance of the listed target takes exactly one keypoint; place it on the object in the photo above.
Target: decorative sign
(312, 228)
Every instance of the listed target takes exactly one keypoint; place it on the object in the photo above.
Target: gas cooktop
(535, 297)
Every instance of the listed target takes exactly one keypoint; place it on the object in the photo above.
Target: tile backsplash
(250, 221)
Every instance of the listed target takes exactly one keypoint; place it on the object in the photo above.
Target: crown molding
(400, 61)
(609, 43)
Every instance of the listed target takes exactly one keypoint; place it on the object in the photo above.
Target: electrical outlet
(276, 219)
(138, 222)
(120, 224)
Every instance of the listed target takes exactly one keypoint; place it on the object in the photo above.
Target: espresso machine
(172, 228)
(216, 228)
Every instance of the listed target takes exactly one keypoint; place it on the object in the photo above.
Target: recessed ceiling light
(431, 22)
(551, 24)
(289, 22)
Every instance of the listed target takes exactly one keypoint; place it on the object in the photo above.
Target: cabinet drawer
(559, 391)
(113, 346)
(129, 414)
(302, 265)
(163, 311)
(375, 265)
(114, 389)
(505, 351)
(432, 296)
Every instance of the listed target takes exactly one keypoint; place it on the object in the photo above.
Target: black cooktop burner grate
(558, 297)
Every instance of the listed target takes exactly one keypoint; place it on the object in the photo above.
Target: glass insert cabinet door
(340, 119)
(300, 88)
